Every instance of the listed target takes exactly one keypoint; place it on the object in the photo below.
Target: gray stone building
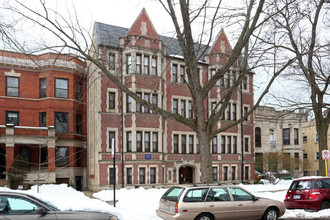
(278, 141)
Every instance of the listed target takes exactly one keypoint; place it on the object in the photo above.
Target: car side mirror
(254, 198)
(42, 211)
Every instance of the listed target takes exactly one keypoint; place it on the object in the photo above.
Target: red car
(311, 193)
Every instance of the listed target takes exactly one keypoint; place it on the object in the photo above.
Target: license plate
(296, 197)
(167, 207)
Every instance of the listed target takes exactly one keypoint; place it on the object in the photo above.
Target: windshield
(49, 204)
(173, 194)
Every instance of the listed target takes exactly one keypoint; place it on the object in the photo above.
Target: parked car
(311, 193)
(16, 205)
(213, 202)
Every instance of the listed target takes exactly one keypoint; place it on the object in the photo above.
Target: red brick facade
(145, 143)
(28, 112)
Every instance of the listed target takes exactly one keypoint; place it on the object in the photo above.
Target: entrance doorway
(186, 174)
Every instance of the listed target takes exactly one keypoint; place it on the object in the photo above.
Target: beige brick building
(311, 149)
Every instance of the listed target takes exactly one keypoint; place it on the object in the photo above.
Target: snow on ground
(140, 204)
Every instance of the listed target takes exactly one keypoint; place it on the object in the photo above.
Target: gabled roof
(109, 35)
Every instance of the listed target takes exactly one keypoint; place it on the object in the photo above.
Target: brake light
(314, 195)
(176, 208)
(287, 196)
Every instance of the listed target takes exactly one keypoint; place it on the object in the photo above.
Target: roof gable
(143, 26)
(221, 44)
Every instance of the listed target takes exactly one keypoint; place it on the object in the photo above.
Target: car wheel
(325, 205)
(270, 214)
(204, 217)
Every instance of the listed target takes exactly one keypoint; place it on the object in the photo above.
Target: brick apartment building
(150, 149)
(43, 116)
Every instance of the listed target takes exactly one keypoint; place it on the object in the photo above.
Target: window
(195, 195)
(228, 79)
(129, 176)
(233, 77)
(257, 134)
(304, 138)
(228, 144)
(225, 173)
(78, 91)
(305, 156)
(112, 135)
(246, 172)
(183, 144)
(228, 111)
(154, 100)
(175, 106)
(240, 195)
(316, 138)
(222, 82)
(12, 86)
(138, 105)
(12, 118)
(78, 124)
(197, 146)
(234, 112)
(142, 175)
(139, 141)
(222, 117)
(25, 153)
(190, 111)
(233, 173)
(14, 206)
(146, 98)
(182, 74)
(111, 176)
(245, 83)
(234, 144)
(272, 138)
(61, 88)
(154, 141)
(175, 143)
(296, 155)
(215, 173)
(129, 141)
(174, 73)
(223, 144)
(245, 112)
(246, 144)
(62, 122)
(112, 100)
(147, 141)
(152, 175)
(42, 87)
(128, 103)
(214, 145)
(296, 136)
(42, 119)
(146, 65)
(191, 144)
(138, 63)
(128, 64)
(154, 66)
(111, 61)
(218, 195)
(183, 108)
(286, 136)
(62, 156)
(317, 156)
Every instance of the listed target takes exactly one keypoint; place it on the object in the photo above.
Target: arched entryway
(2, 163)
(186, 174)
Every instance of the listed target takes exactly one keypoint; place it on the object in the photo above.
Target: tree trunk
(323, 145)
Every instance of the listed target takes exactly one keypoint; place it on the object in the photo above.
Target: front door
(186, 174)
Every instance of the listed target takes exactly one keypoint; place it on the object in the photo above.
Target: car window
(173, 194)
(304, 184)
(16, 206)
(326, 183)
(240, 195)
(195, 195)
(218, 194)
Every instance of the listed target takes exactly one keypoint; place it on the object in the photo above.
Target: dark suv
(311, 193)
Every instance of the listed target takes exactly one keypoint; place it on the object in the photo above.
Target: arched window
(272, 138)
(257, 134)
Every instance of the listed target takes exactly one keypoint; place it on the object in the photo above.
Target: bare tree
(250, 21)
(306, 24)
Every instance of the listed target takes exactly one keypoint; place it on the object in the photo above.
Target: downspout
(122, 122)
(242, 136)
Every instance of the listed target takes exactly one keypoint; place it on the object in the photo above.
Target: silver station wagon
(213, 202)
